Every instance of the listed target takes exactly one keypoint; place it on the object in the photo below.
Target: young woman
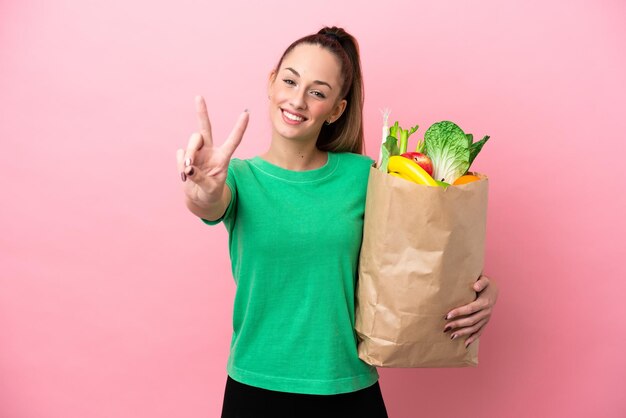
(295, 218)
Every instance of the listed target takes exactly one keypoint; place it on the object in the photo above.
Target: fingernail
(187, 162)
(191, 171)
(453, 336)
(246, 110)
(445, 317)
(446, 329)
(183, 176)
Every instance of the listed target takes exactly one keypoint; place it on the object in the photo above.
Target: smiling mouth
(292, 116)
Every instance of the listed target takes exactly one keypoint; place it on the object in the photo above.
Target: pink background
(115, 301)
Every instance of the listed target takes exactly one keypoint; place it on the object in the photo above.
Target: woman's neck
(294, 156)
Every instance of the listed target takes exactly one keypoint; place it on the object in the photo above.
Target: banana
(411, 170)
(402, 176)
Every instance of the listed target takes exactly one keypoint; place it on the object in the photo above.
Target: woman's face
(304, 93)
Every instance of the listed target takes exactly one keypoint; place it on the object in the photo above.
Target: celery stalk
(404, 138)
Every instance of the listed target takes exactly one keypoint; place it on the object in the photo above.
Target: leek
(385, 112)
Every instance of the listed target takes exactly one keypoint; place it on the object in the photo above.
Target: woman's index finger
(203, 119)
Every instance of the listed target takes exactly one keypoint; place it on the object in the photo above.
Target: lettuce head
(450, 150)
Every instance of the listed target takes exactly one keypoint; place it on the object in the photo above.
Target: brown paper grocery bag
(423, 249)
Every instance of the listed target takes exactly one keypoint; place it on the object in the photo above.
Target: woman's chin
(292, 133)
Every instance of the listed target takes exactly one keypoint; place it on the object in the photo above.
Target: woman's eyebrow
(314, 82)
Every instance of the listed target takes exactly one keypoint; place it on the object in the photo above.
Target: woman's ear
(270, 82)
(338, 110)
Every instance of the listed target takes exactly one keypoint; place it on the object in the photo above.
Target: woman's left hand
(470, 320)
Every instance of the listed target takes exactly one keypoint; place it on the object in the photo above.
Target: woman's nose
(298, 99)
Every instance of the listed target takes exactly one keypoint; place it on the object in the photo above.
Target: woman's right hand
(203, 166)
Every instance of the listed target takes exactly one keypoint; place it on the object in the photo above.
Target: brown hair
(346, 133)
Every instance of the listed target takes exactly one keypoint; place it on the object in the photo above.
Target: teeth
(292, 117)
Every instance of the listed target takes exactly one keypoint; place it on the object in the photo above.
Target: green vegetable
(420, 146)
(393, 131)
(449, 149)
(402, 135)
(385, 112)
(442, 184)
(476, 146)
(389, 148)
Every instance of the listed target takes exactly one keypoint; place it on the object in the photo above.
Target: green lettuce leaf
(476, 147)
(449, 150)
(394, 130)
(389, 148)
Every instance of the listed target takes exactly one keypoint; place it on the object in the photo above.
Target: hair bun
(333, 33)
(332, 36)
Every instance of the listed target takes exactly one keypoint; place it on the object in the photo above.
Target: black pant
(245, 401)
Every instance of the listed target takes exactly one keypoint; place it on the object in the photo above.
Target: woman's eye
(319, 94)
(288, 81)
